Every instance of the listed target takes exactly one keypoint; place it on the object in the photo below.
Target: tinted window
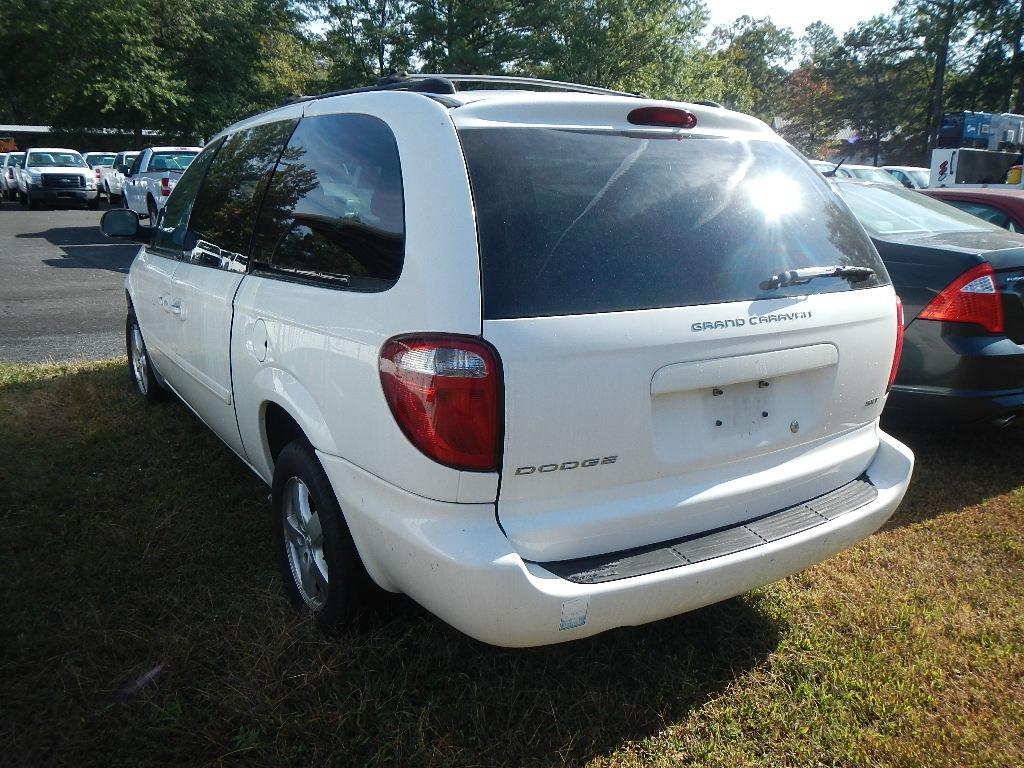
(334, 207)
(573, 222)
(982, 211)
(173, 221)
(225, 208)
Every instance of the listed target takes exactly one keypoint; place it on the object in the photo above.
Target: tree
(762, 50)
(367, 39)
(642, 46)
(468, 36)
(939, 23)
(811, 119)
(880, 79)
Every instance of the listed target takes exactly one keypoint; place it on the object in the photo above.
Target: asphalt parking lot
(61, 286)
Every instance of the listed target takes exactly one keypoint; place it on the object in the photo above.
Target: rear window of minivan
(577, 221)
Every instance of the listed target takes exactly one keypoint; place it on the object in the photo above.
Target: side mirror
(121, 222)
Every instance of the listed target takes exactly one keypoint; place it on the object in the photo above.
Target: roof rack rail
(429, 86)
(441, 86)
(536, 82)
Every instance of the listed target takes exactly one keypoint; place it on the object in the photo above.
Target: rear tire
(153, 212)
(322, 572)
(140, 370)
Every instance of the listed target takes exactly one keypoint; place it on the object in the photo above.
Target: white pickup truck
(153, 174)
(112, 177)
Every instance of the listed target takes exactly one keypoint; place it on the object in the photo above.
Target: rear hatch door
(656, 384)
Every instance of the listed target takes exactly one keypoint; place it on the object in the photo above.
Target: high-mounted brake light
(165, 186)
(667, 117)
(444, 392)
(971, 298)
(898, 352)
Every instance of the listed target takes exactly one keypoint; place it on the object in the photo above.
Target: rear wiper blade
(806, 274)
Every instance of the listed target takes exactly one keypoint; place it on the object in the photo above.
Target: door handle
(175, 306)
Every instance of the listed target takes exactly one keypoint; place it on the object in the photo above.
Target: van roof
(516, 102)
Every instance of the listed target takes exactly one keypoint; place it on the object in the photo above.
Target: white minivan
(548, 363)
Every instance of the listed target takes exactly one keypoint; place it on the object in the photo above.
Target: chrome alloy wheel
(304, 543)
(138, 353)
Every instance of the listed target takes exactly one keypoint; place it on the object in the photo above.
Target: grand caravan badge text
(739, 322)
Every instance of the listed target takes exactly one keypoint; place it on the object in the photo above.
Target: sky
(841, 15)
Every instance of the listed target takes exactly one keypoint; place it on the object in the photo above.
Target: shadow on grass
(135, 539)
(958, 468)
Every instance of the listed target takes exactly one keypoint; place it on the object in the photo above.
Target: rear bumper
(957, 373)
(958, 407)
(454, 560)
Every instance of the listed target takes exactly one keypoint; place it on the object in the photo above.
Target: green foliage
(762, 50)
(188, 67)
(183, 67)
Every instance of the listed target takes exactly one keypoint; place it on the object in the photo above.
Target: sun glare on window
(774, 196)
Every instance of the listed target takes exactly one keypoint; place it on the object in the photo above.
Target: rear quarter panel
(322, 344)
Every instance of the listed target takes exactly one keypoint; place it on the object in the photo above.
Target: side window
(334, 209)
(225, 208)
(173, 222)
(135, 165)
(987, 212)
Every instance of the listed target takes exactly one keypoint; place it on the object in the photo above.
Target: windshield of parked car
(574, 221)
(171, 161)
(899, 211)
(880, 175)
(105, 160)
(920, 178)
(54, 160)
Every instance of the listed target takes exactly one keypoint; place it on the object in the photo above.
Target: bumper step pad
(723, 541)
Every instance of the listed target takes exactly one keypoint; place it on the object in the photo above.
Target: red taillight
(165, 186)
(97, 172)
(444, 392)
(898, 352)
(668, 117)
(971, 298)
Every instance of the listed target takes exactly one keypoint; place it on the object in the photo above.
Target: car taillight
(444, 392)
(96, 171)
(971, 298)
(165, 186)
(898, 352)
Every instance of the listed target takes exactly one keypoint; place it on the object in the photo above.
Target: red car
(1002, 207)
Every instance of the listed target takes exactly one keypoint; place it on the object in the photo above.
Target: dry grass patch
(136, 542)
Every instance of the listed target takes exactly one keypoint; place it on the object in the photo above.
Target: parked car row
(911, 177)
(141, 180)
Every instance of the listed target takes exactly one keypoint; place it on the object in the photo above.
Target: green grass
(132, 538)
